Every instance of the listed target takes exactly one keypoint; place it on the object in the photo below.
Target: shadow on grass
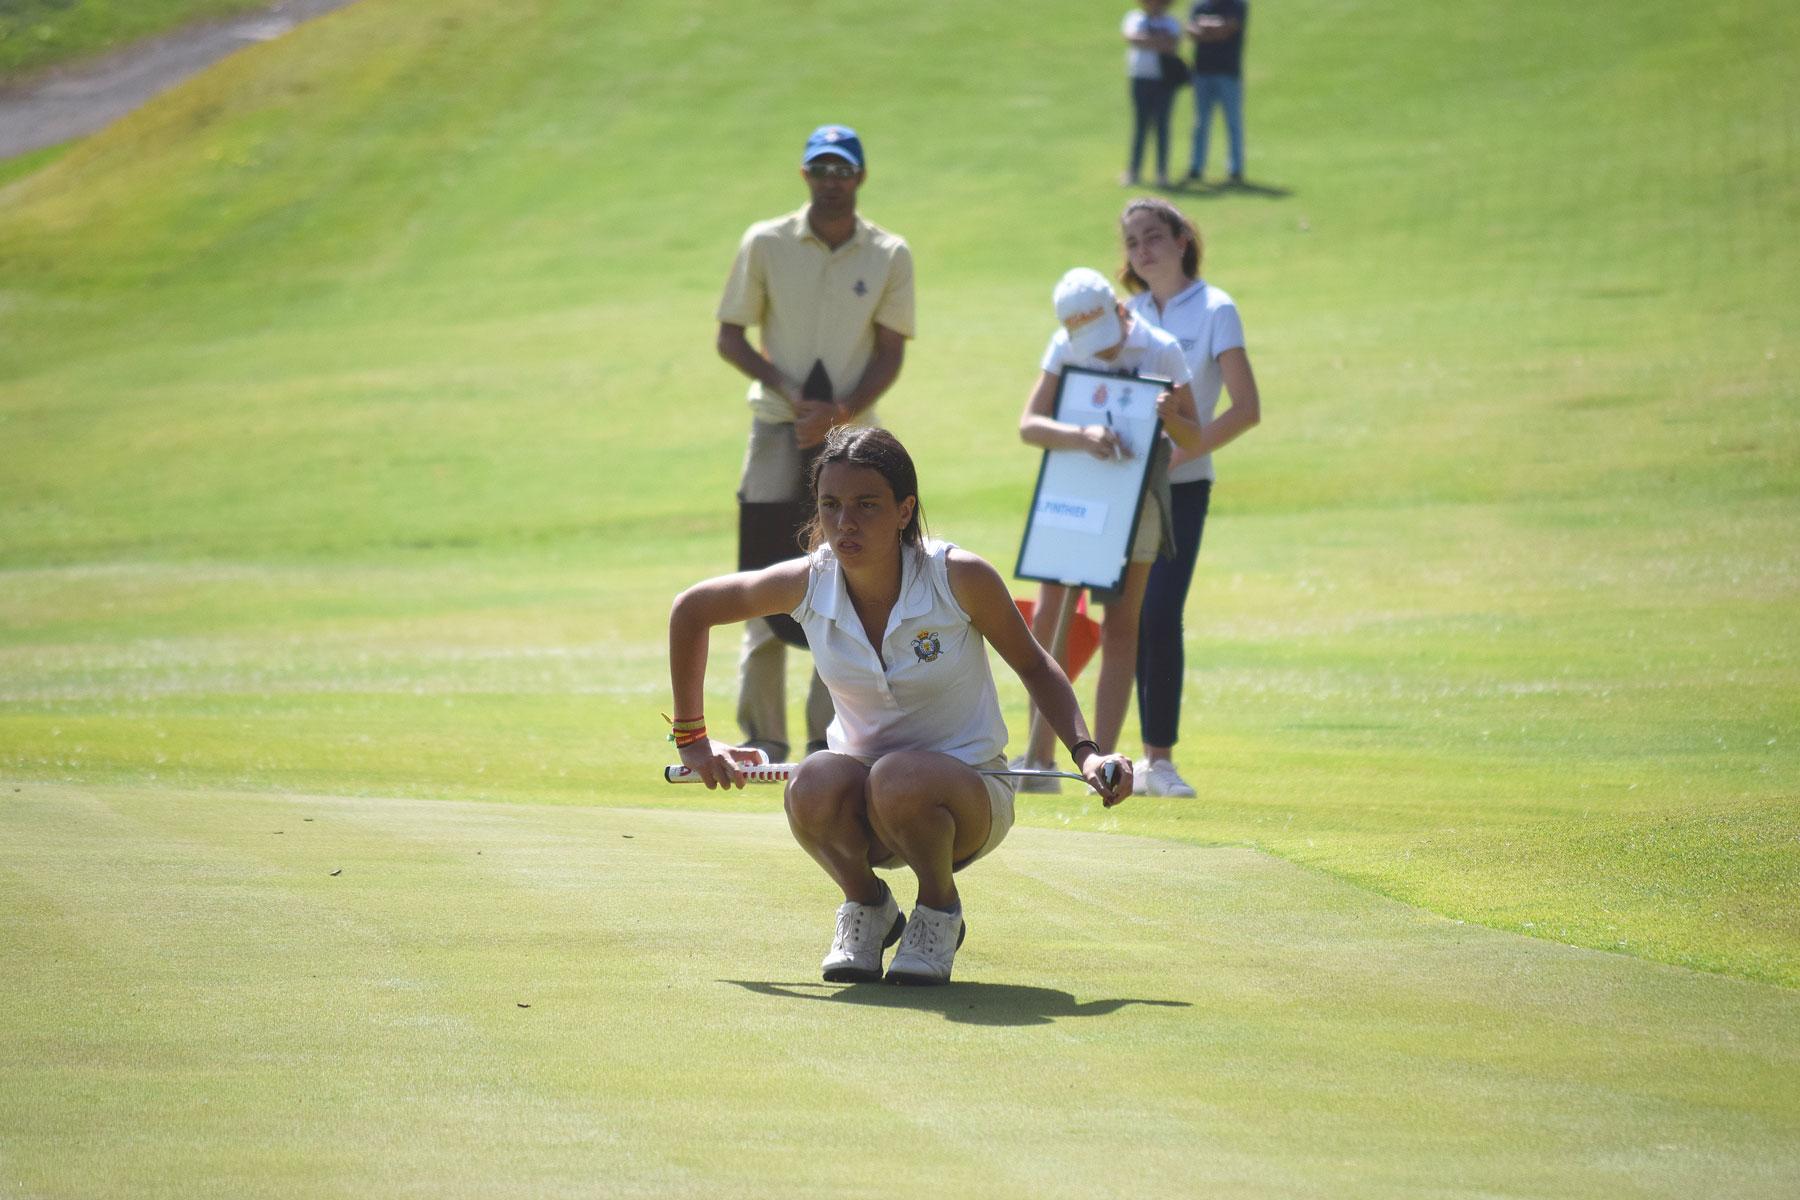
(1216, 191)
(966, 1002)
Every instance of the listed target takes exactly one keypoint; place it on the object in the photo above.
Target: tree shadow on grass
(967, 1003)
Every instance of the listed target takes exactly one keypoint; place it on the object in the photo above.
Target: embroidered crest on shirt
(927, 646)
(861, 288)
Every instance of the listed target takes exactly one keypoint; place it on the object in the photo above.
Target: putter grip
(1109, 775)
(764, 772)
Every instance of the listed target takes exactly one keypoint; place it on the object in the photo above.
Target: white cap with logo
(1089, 311)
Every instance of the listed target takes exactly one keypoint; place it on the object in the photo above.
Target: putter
(782, 772)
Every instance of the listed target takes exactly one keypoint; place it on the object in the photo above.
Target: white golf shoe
(863, 932)
(928, 947)
(1162, 779)
(1031, 783)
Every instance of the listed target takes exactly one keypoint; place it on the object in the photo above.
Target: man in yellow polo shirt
(832, 295)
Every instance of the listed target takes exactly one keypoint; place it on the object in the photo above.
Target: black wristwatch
(1075, 750)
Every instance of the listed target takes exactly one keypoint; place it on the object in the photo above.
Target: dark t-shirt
(1226, 57)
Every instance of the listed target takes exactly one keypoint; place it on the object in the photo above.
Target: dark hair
(880, 451)
(1179, 227)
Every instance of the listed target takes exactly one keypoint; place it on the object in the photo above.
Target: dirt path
(64, 103)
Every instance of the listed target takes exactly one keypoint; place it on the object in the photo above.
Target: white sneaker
(1162, 779)
(1029, 784)
(928, 947)
(863, 932)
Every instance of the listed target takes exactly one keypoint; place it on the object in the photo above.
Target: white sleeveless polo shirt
(935, 692)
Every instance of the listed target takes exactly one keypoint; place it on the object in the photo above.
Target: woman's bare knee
(826, 791)
(904, 775)
(904, 790)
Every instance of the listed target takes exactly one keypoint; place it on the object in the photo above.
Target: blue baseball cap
(840, 140)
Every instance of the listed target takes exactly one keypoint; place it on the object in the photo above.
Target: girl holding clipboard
(1096, 332)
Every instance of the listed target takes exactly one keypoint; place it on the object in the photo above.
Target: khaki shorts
(1148, 545)
(773, 467)
(1000, 814)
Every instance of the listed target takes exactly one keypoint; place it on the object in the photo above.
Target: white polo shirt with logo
(816, 304)
(1204, 322)
(934, 691)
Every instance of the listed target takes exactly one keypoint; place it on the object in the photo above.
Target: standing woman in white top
(1150, 32)
(898, 627)
(1162, 271)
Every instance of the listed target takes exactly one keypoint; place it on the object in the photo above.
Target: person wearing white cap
(832, 297)
(1096, 332)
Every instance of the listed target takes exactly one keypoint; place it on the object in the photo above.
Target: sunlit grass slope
(39, 33)
(358, 418)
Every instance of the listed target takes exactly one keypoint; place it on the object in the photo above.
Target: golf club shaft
(782, 772)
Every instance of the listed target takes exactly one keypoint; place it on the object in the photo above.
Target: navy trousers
(1161, 662)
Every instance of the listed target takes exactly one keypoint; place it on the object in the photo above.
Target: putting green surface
(310, 995)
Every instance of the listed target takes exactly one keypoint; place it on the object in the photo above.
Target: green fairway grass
(359, 419)
(335, 996)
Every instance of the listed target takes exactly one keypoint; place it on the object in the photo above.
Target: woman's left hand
(1110, 775)
(1180, 423)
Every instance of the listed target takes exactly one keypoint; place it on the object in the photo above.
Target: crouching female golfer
(897, 625)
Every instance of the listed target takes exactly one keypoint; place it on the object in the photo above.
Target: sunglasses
(831, 169)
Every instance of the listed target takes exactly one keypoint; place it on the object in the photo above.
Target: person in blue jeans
(1150, 32)
(1162, 272)
(1217, 27)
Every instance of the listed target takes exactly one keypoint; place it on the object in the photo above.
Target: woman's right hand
(1102, 442)
(717, 763)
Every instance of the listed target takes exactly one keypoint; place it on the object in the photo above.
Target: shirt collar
(1145, 302)
(803, 229)
(833, 601)
(1192, 291)
(915, 585)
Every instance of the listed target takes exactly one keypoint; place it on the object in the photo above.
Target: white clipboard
(1084, 510)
